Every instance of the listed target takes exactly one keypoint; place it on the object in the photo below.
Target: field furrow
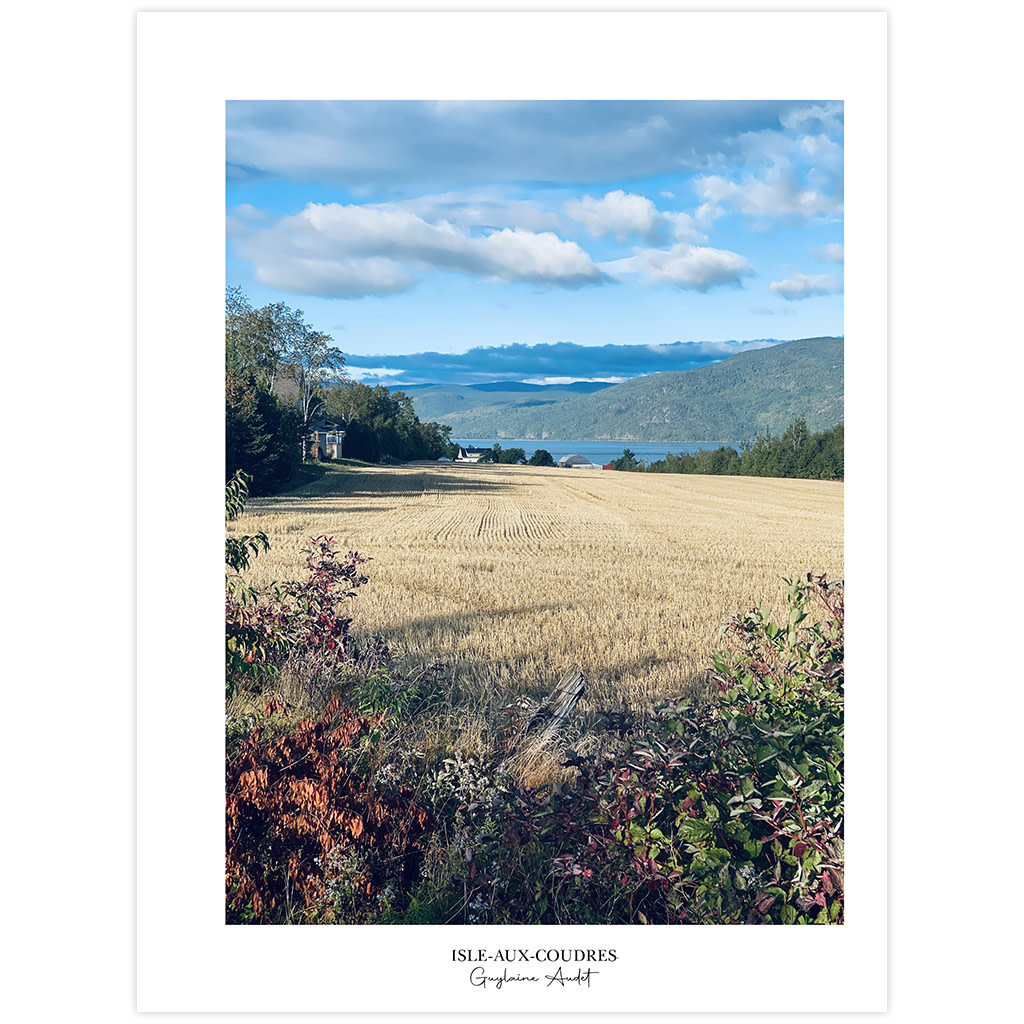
(510, 574)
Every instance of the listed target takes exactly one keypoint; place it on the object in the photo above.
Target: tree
(436, 440)
(494, 455)
(541, 457)
(796, 449)
(797, 453)
(361, 442)
(382, 426)
(513, 456)
(319, 365)
(831, 460)
(258, 341)
(259, 435)
(627, 462)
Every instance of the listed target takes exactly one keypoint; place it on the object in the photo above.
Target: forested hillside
(439, 401)
(740, 397)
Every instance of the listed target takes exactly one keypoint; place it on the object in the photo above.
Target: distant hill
(443, 401)
(730, 401)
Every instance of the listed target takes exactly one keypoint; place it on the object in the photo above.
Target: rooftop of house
(322, 426)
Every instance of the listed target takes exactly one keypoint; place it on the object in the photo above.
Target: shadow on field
(469, 621)
(362, 486)
(277, 506)
(611, 679)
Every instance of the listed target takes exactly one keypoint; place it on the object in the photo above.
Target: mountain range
(736, 399)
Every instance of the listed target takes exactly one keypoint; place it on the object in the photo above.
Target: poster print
(498, 512)
(535, 465)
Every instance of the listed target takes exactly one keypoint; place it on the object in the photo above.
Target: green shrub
(721, 811)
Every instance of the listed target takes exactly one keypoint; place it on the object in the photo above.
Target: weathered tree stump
(550, 717)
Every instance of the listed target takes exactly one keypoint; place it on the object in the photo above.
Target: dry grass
(510, 574)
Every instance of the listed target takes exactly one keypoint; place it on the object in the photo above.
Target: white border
(188, 65)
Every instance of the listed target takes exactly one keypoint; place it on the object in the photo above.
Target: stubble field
(509, 575)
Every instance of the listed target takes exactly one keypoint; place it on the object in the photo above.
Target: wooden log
(552, 715)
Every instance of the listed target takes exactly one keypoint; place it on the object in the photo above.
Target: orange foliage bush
(293, 804)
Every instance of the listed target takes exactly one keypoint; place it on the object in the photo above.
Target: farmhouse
(324, 440)
(576, 462)
(469, 454)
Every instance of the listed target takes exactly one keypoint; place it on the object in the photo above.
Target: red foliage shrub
(295, 801)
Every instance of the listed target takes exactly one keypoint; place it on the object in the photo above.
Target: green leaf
(694, 830)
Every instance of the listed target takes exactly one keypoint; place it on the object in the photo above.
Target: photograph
(534, 514)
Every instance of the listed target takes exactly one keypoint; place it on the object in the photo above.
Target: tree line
(382, 426)
(517, 456)
(282, 376)
(796, 453)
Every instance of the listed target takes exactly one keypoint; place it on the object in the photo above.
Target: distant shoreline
(580, 440)
(598, 450)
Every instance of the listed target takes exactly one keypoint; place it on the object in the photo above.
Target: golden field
(509, 575)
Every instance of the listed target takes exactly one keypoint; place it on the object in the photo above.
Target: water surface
(601, 452)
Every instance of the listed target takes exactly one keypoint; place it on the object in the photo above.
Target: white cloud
(618, 213)
(776, 195)
(572, 380)
(622, 214)
(790, 174)
(689, 266)
(336, 279)
(346, 251)
(804, 286)
(246, 211)
(235, 229)
(826, 118)
(831, 253)
(706, 214)
(362, 372)
(683, 227)
(770, 147)
(480, 210)
(822, 150)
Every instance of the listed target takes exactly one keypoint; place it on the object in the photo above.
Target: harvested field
(510, 574)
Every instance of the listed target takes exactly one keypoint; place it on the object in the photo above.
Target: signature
(479, 978)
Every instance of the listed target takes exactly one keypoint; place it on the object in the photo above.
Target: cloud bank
(558, 361)
(369, 143)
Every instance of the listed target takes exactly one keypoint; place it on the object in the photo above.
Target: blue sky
(591, 236)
